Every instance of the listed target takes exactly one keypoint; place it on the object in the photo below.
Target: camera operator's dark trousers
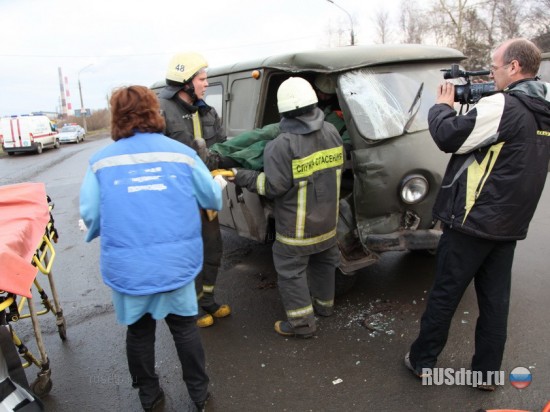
(140, 350)
(461, 258)
(205, 282)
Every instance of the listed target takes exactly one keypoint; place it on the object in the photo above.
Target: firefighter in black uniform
(191, 121)
(302, 173)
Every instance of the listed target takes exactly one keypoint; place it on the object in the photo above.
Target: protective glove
(220, 181)
(227, 162)
(232, 178)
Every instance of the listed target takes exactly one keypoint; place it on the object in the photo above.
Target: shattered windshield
(388, 104)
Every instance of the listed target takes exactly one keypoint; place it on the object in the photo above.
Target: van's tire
(11, 153)
(57, 145)
(39, 148)
(343, 283)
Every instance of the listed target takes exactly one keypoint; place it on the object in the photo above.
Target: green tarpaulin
(248, 148)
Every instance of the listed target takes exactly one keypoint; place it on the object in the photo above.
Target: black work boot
(159, 400)
(201, 406)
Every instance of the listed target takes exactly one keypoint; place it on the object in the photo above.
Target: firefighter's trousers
(206, 280)
(306, 285)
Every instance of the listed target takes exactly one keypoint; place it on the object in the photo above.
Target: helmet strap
(190, 90)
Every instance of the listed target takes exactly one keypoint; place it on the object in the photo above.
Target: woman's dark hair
(135, 109)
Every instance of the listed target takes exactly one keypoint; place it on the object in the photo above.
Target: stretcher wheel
(41, 387)
(62, 329)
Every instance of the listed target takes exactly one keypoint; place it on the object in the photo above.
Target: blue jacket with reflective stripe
(149, 190)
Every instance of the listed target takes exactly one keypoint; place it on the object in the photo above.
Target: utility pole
(352, 35)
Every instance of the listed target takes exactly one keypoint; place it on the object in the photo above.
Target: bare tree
(411, 22)
(475, 44)
(510, 18)
(476, 26)
(337, 34)
(539, 17)
(383, 27)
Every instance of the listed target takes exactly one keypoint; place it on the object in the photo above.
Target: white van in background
(27, 134)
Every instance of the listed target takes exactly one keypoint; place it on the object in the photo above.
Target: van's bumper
(426, 239)
(31, 148)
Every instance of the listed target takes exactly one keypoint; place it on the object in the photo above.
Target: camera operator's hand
(446, 94)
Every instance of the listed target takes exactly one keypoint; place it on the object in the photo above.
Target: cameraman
(494, 179)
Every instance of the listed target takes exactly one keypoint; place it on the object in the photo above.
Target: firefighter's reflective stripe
(138, 158)
(200, 295)
(323, 159)
(300, 312)
(301, 209)
(305, 242)
(325, 303)
(208, 288)
(338, 182)
(197, 129)
(260, 184)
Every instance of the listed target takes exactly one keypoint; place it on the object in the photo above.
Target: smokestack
(63, 101)
(68, 94)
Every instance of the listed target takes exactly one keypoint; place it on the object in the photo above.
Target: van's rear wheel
(57, 145)
(11, 153)
(39, 148)
(344, 282)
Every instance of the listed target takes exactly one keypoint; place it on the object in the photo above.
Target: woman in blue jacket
(142, 194)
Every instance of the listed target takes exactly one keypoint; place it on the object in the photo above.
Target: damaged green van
(393, 168)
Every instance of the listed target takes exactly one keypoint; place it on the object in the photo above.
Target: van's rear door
(243, 211)
(9, 133)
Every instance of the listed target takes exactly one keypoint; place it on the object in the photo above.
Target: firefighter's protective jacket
(185, 123)
(302, 172)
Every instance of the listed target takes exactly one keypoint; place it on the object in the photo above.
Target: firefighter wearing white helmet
(193, 122)
(302, 171)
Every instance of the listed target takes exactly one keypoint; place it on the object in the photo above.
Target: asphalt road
(355, 363)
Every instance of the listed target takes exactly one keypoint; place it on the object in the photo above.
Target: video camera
(469, 93)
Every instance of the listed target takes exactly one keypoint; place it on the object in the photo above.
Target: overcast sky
(110, 43)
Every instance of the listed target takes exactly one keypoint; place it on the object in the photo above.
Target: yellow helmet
(184, 66)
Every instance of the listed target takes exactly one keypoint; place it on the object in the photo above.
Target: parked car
(27, 134)
(393, 168)
(71, 133)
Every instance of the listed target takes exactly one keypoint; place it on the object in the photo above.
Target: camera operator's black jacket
(501, 152)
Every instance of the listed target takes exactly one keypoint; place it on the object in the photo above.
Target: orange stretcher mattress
(24, 214)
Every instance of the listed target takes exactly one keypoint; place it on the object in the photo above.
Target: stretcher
(27, 235)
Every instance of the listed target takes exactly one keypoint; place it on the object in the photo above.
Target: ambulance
(27, 134)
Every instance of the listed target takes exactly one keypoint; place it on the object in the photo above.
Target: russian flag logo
(520, 377)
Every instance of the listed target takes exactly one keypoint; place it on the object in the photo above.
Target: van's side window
(214, 97)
